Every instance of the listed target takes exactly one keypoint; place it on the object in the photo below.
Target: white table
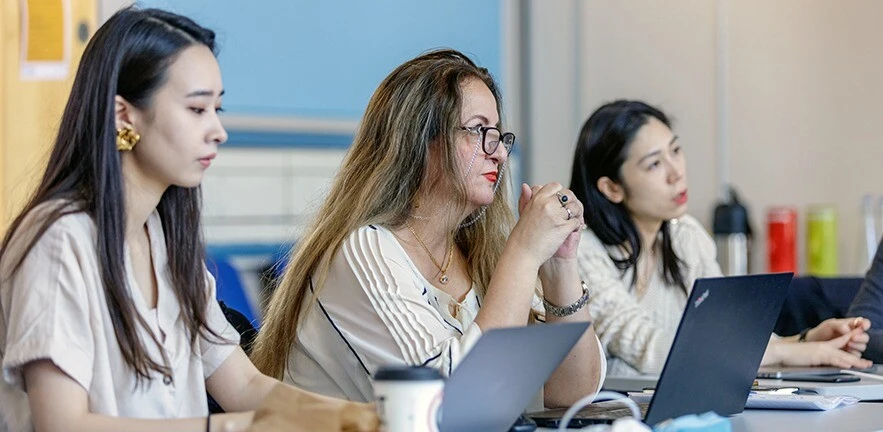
(863, 417)
(864, 389)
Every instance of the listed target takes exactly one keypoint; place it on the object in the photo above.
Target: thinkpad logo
(700, 299)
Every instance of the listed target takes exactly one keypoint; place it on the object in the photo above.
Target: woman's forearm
(254, 393)
(60, 404)
(234, 422)
(508, 299)
(580, 372)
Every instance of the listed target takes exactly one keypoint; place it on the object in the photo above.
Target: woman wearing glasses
(642, 252)
(413, 254)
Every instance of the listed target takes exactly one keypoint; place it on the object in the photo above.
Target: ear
(612, 191)
(123, 112)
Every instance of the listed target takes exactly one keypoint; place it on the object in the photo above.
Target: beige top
(637, 331)
(54, 308)
(377, 309)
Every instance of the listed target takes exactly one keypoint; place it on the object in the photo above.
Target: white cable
(601, 396)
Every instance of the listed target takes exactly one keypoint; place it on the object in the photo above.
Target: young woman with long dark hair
(641, 251)
(109, 318)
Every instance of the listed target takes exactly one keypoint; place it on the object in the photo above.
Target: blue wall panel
(323, 59)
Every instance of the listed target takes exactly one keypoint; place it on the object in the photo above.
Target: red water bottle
(782, 239)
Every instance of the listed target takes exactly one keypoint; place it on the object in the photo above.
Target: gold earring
(127, 138)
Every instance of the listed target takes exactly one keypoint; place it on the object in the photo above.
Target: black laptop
(716, 352)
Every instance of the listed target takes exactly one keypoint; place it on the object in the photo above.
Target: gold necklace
(442, 269)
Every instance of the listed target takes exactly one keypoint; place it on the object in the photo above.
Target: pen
(862, 375)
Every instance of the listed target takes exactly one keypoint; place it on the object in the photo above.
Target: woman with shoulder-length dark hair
(641, 252)
(109, 319)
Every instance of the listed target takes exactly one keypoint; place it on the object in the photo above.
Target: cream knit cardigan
(637, 331)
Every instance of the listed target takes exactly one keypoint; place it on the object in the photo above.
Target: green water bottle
(821, 241)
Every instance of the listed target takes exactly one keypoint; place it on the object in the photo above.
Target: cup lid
(407, 373)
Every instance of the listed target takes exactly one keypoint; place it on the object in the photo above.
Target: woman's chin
(680, 212)
(479, 202)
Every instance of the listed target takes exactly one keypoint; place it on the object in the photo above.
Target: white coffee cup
(408, 398)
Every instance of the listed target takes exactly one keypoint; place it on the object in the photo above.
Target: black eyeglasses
(491, 138)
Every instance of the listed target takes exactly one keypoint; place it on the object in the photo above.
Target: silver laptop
(500, 377)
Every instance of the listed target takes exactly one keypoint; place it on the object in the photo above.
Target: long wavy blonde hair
(414, 111)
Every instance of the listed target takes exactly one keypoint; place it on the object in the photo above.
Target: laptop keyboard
(601, 412)
(609, 409)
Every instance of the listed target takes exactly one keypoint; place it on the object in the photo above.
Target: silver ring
(562, 198)
(569, 213)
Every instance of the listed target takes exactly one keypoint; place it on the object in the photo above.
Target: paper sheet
(45, 39)
(779, 401)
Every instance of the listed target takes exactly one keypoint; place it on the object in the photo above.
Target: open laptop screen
(719, 344)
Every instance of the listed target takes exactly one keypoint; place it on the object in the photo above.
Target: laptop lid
(717, 349)
(719, 344)
(502, 374)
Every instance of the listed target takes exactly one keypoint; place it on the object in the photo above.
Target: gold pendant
(443, 279)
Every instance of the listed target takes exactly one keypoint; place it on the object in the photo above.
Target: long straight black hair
(602, 148)
(128, 56)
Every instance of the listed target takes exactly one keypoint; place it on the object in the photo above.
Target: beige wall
(3, 35)
(106, 8)
(805, 85)
(30, 110)
(664, 55)
(550, 96)
(807, 80)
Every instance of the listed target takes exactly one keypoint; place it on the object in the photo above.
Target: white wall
(551, 97)
(106, 8)
(663, 53)
(807, 80)
(805, 84)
